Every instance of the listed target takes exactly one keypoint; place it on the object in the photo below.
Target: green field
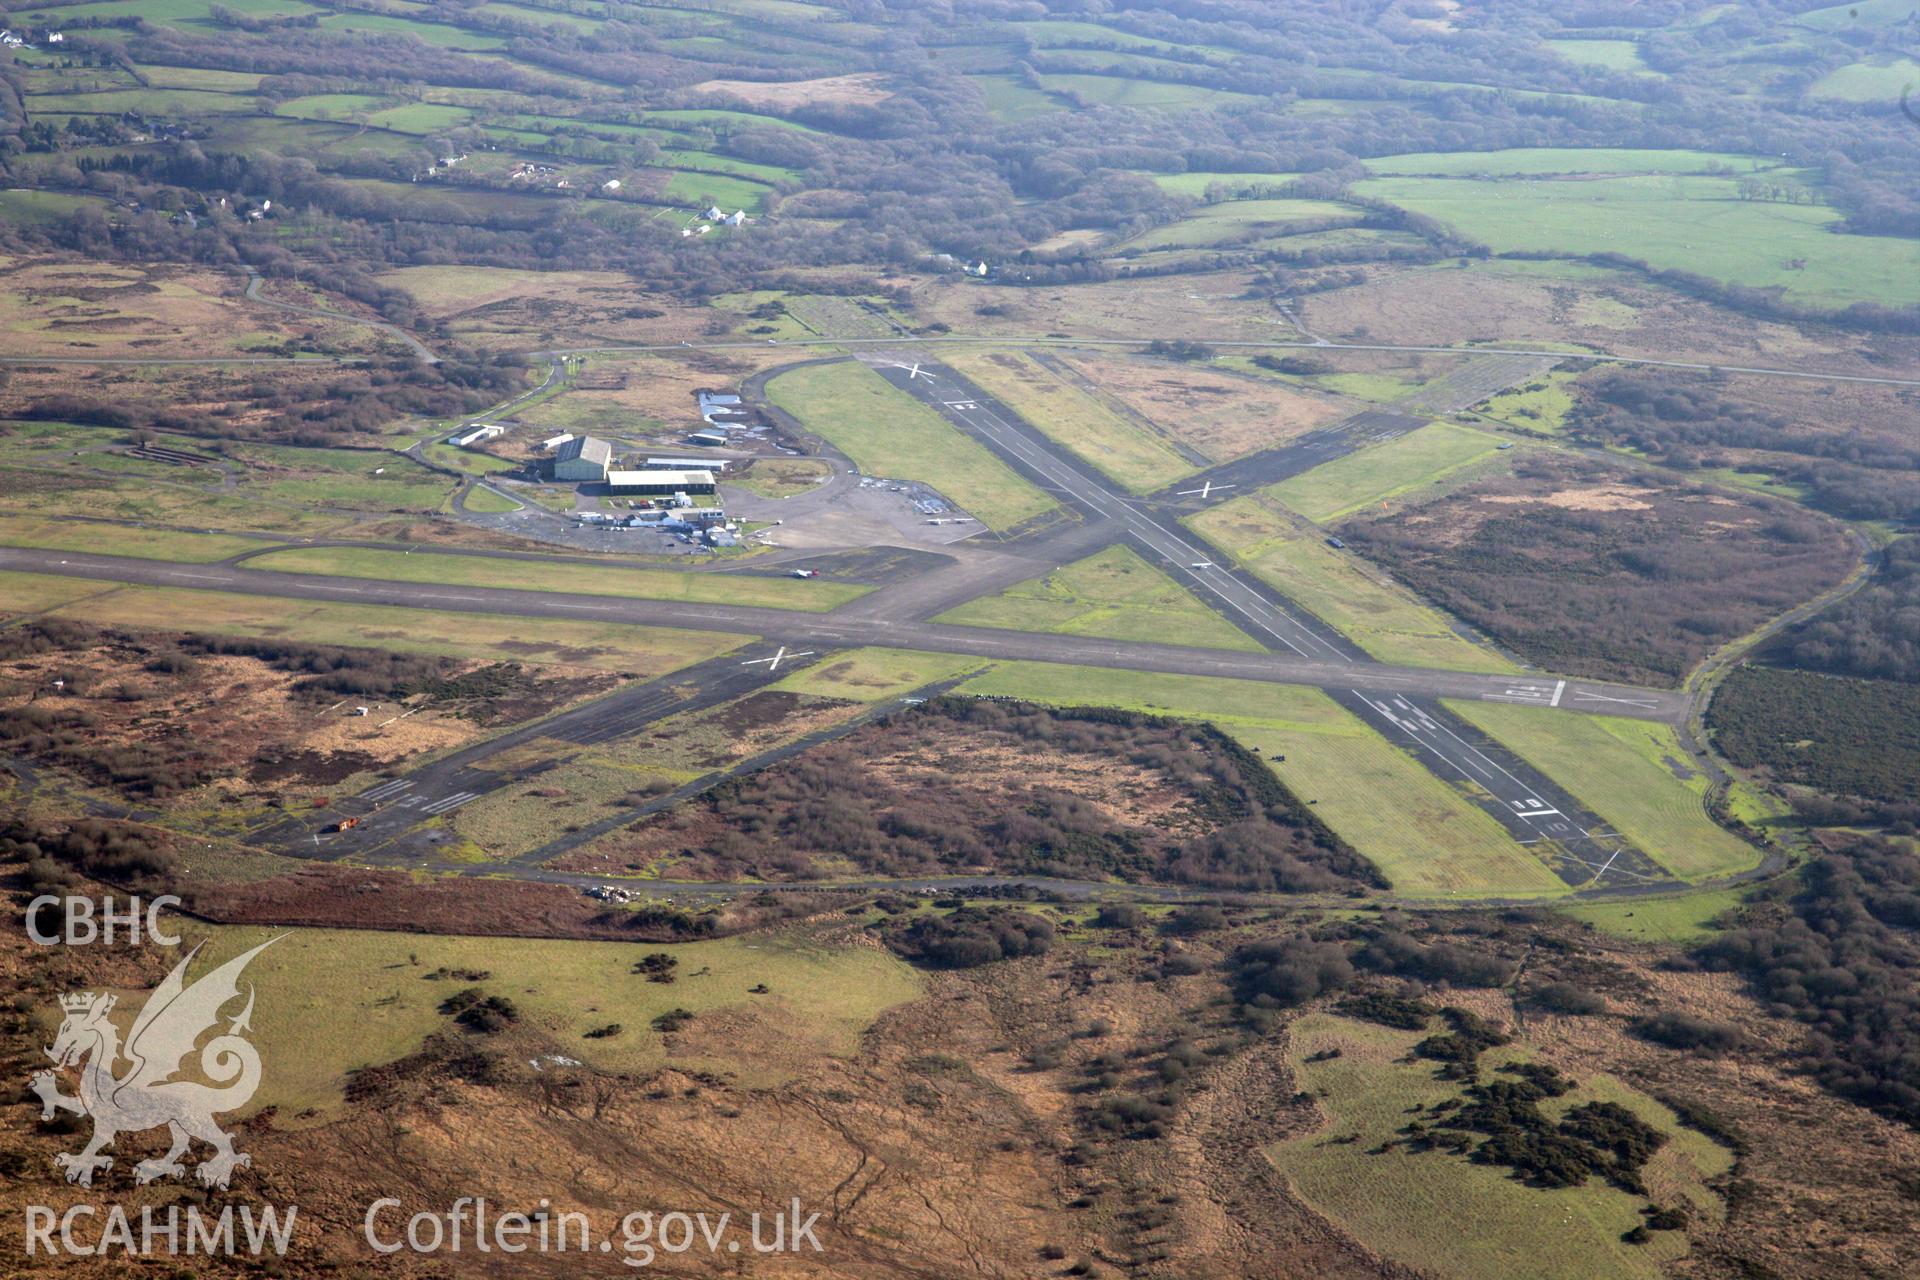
(1520, 161)
(1864, 15)
(1214, 224)
(1869, 81)
(174, 102)
(1541, 405)
(888, 433)
(700, 190)
(1608, 55)
(1678, 222)
(490, 501)
(1196, 184)
(117, 540)
(1372, 610)
(538, 16)
(1632, 773)
(331, 106)
(637, 651)
(139, 498)
(1453, 1219)
(433, 33)
(1052, 34)
(472, 461)
(332, 1000)
(814, 595)
(1385, 471)
(721, 120)
(782, 477)
(28, 593)
(1151, 95)
(711, 163)
(201, 78)
(1427, 838)
(1011, 99)
(1682, 920)
(1123, 450)
(1113, 594)
(166, 12)
(37, 208)
(368, 479)
(420, 117)
(870, 675)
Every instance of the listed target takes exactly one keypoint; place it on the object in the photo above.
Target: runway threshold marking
(449, 803)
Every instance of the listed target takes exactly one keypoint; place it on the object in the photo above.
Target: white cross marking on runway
(1625, 702)
(1203, 491)
(773, 663)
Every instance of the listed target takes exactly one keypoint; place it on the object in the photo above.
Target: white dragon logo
(146, 1096)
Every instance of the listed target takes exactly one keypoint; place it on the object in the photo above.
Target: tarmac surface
(1574, 842)
(798, 629)
(1402, 703)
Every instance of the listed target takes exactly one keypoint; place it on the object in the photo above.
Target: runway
(834, 630)
(1402, 703)
(1245, 601)
(390, 810)
(1572, 841)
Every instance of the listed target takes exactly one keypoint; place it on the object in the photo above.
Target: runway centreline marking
(1230, 590)
(791, 627)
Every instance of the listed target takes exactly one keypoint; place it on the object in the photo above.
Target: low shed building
(660, 484)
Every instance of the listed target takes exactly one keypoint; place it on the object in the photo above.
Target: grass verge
(1104, 439)
(1632, 773)
(117, 540)
(888, 433)
(640, 651)
(1113, 594)
(1426, 837)
(1398, 467)
(815, 595)
(1372, 610)
(870, 675)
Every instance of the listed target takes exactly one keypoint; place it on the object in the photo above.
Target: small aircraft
(1201, 564)
(806, 573)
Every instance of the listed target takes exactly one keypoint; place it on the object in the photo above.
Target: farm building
(582, 458)
(687, 464)
(708, 438)
(659, 484)
(474, 435)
